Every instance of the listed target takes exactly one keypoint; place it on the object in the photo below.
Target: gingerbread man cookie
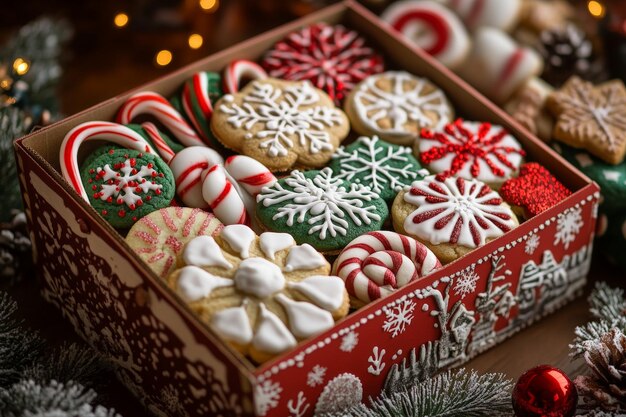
(451, 216)
(263, 293)
(590, 117)
(281, 124)
(396, 105)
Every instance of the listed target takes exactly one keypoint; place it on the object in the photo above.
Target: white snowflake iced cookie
(376, 263)
(260, 293)
(396, 105)
(318, 208)
(384, 167)
(482, 151)
(280, 123)
(451, 216)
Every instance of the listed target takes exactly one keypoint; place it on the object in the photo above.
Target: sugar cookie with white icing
(262, 294)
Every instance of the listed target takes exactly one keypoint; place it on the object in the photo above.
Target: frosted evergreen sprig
(452, 393)
(608, 307)
(28, 398)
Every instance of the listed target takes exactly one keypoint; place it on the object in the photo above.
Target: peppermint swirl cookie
(377, 263)
(263, 293)
(318, 208)
(471, 150)
(383, 167)
(396, 105)
(451, 216)
(124, 184)
(280, 124)
(159, 238)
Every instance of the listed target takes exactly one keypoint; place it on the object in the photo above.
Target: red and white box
(178, 366)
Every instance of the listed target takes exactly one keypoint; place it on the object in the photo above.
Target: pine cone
(15, 248)
(606, 357)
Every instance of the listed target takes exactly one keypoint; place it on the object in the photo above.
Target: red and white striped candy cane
(91, 131)
(222, 197)
(376, 263)
(188, 167)
(238, 70)
(161, 146)
(249, 173)
(148, 102)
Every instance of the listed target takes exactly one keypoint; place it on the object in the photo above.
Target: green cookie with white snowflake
(610, 178)
(318, 208)
(384, 167)
(124, 185)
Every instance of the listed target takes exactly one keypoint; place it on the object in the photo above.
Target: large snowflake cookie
(124, 185)
(593, 118)
(376, 263)
(384, 167)
(482, 151)
(332, 58)
(260, 293)
(450, 215)
(396, 105)
(320, 209)
(280, 123)
(159, 237)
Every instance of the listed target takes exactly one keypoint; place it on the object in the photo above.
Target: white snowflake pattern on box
(325, 198)
(376, 361)
(298, 407)
(568, 226)
(466, 282)
(398, 317)
(284, 113)
(531, 244)
(349, 341)
(266, 396)
(316, 376)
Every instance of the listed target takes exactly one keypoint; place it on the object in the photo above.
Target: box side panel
(443, 320)
(159, 352)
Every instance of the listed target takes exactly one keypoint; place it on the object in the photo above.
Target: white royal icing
(305, 319)
(304, 257)
(325, 291)
(239, 237)
(259, 277)
(272, 336)
(126, 185)
(204, 251)
(271, 243)
(233, 324)
(195, 283)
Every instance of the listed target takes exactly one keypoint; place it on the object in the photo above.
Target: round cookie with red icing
(332, 58)
(159, 238)
(471, 150)
(123, 185)
(451, 216)
(262, 294)
(432, 27)
(377, 263)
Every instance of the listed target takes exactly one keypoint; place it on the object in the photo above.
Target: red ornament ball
(544, 391)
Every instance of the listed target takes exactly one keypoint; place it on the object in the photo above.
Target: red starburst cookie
(534, 191)
(471, 150)
(332, 58)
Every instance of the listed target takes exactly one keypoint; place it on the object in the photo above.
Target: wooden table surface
(106, 61)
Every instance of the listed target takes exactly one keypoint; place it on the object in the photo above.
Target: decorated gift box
(153, 330)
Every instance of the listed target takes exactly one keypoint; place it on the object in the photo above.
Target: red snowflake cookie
(536, 189)
(332, 58)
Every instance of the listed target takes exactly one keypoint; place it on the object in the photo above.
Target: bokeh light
(209, 5)
(163, 57)
(121, 20)
(596, 8)
(21, 66)
(195, 41)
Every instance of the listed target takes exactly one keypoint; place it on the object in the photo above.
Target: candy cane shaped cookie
(432, 27)
(91, 131)
(198, 95)
(375, 264)
(151, 103)
(188, 167)
(239, 69)
(500, 14)
(223, 198)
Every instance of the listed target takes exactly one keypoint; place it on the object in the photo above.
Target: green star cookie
(384, 167)
(124, 185)
(317, 208)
